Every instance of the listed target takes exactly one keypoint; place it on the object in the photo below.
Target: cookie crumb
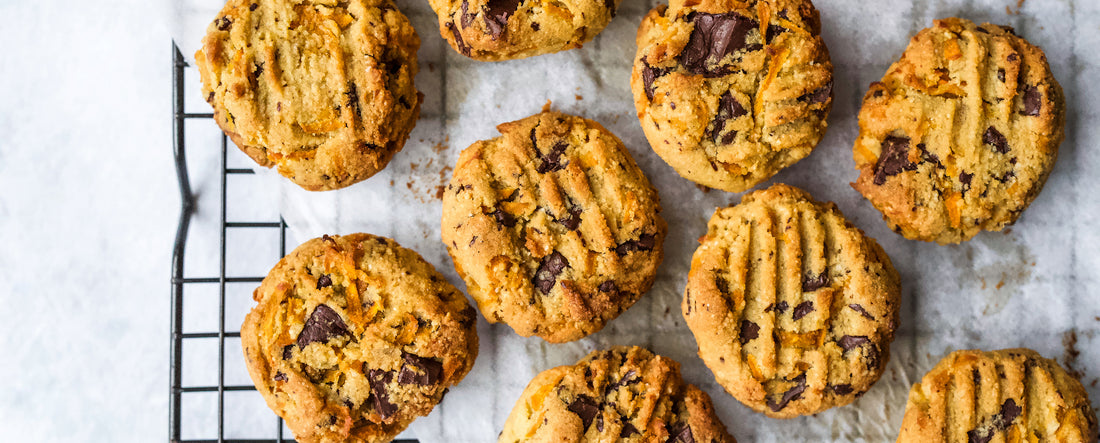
(1069, 358)
(578, 97)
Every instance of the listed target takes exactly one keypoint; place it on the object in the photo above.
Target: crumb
(409, 185)
(439, 147)
(1069, 358)
(413, 166)
(1000, 284)
(391, 182)
(667, 310)
(983, 282)
(431, 67)
(1093, 384)
(1008, 231)
(439, 192)
(1097, 318)
(578, 96)
(546, 107)
(702, 188)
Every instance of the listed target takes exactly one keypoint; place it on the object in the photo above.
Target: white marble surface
(88, 207)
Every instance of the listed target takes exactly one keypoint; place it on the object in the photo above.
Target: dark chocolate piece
(323, 324)
(547, 273)
(894, 159)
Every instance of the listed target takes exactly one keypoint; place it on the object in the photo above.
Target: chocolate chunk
(811, 283)
(999, 422)
(849, 342)
(548, 271)
(378, 380)
(645, 242)
(610, 5)
(430, 370)
(779, 308)
(504, 218)
(223, 23)
(792, 394)
(977, 376)
(994, 138)
(324, 281)
(466, 17)
(714, 37)
(802, 309)
(353, 100)
(628, 430)
(323, 325)
(608, 286)
(928, 156)
(1009, 411)
(649, 75)
(585, 408)
(552, 161)
(842, 389)
(462, 46)
(894, 159)
(859, 308)
(496, 17)
(682, 435)
(628, 379)
(1001, 75)
(599, 422)
(1013, 57)
(749, 331)
(1033, 101)
(964, 178)
(573, 220)
(253, 6)
(288, 351)
(772, 32)
(821, 95)
(280, 376)
(728, 108)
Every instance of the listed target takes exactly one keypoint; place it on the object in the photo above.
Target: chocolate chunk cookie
(961, 133)
(356, 336)
(623, 394)
(729, 93)
(323, 90)
(553, 226)
(492, 30)
(1000, 396)
(793, 308)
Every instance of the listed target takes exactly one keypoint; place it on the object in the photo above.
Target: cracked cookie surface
(999, 396)
(492, 30)
(553, 226)
(354, 337)
(322, 90)
(623, 394)
(730, 93)
(960, 134)
(792, 307)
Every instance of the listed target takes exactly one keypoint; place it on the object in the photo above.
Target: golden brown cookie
(323, 90)
(492, 30)
(961, 133)
(729, 93)
(623, 394)
(1011, 395)
(793, 308)
(354, 337)
(553, 226)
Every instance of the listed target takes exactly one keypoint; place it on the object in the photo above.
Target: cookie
(492, 30)
(354, 337)
(623, 394)
(1000, 396)
(792, 307)
(553, 226)
(961, 133)
(730, 93)
(323, 92)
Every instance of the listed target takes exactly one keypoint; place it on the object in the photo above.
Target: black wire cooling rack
(182, 284)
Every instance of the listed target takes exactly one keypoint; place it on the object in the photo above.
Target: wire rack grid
(178, 419)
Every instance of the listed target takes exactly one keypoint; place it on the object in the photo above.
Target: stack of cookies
(556, 231)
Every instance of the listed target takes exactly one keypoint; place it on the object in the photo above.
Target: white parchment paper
(1035, 285)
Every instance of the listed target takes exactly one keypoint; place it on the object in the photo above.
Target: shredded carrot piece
(776, 63)
(954, 209)
(802, 340)
(753, 367)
